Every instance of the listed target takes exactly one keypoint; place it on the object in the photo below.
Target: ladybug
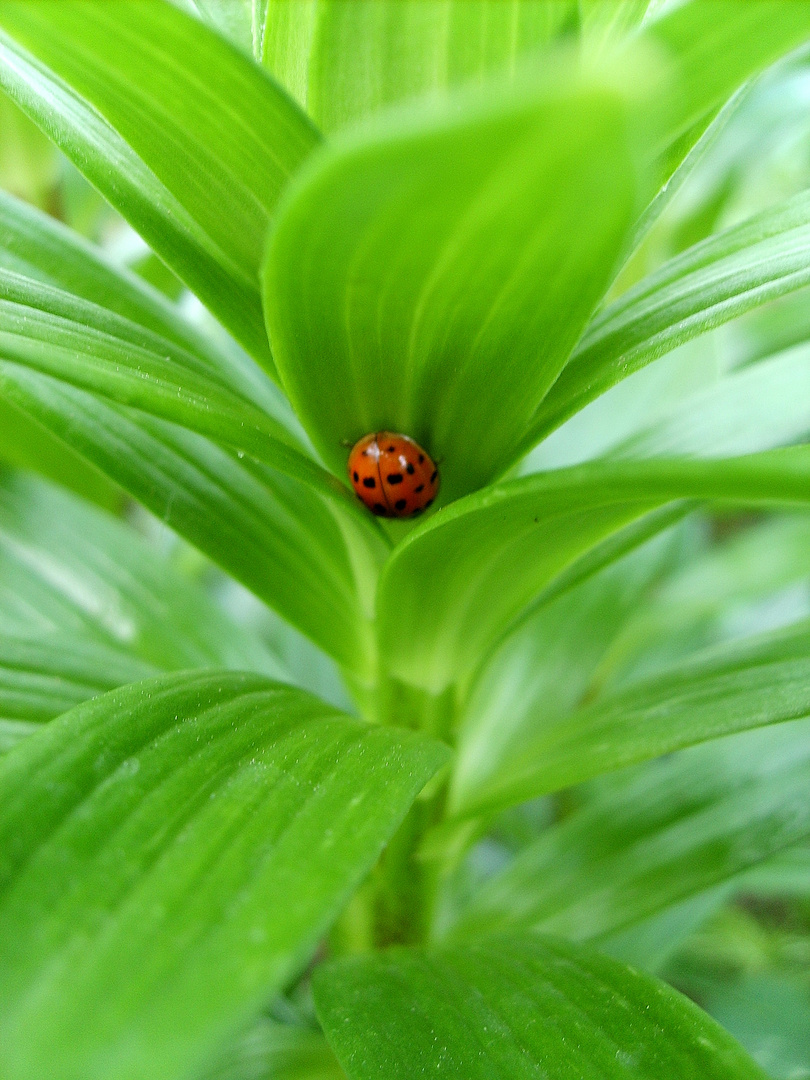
(392, 475)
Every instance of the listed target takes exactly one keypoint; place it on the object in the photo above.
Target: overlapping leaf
(453, 585)
(296, 550)
(183, 135)
(412, 285)
(151, 845)
(344, 61)
(744, 685)
(69, 569)
(514, 1008)
(712, 282)
(655, 839)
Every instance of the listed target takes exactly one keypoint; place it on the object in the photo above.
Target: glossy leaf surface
(411, 285)
(739, 686)
(457, 581)
(655, 838)
(183, 135)
(517, 1007)
(152, 843)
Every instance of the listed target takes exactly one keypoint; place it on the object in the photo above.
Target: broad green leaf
(516, 1007)
(546, 665)
(743, 685)
(710, 283)
(67, 568)
(42, 677)
(345, 61)
(453, 586)
(654, 839)
(272, 1051)
(303, 554)
(152, 841)
(411, 284)
(187, 138)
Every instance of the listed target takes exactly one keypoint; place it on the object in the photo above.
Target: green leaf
(68, 568)
(272, 1051)
(749, 684)
(152, 844)
(298, 551)
(345, 61)
(457, 582)
(714, 281)
(25, 444)
(760, 407)
(716, 47)
(545, 666)
(411, 285)
(42, 677)
(517, 1007)
(187, 138)
(656, 838)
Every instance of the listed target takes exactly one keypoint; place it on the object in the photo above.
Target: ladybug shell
(392, 475)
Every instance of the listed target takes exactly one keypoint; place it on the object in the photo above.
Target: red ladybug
(392, 475)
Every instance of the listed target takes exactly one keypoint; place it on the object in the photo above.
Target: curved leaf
(514, 1008)
(748, 684)
(411, 285)
(35, 245)
(347, 61)
(151, 842)
(42, 677)
(655, 838)
(300, 552)
(710, 283)
(545, 666)
(456, 582)
(187, 138)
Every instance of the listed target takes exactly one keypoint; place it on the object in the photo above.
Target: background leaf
(182, 134)
(708, 284)
(655, 837)
(152, 841)
(410, 284)
(516, 1007)
(744, 685)
(344, 61)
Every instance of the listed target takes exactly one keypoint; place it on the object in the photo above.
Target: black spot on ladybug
(409, 469)
(417, 511)
(356, 477)
(433, 475)
(379, 509)
(421, 487)
(394, 478)
(429, 503)
(421, 458)
(400, 504)
(369, 482)
(391, 449)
